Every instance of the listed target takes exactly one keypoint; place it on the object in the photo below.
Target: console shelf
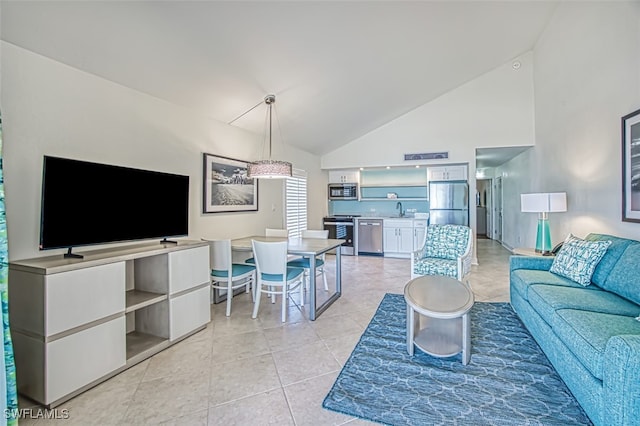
(138, 343)
(137, 299)
(78, 322)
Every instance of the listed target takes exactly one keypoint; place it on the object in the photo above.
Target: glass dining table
(305, 247)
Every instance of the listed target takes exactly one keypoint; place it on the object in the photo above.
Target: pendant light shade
(269, 169)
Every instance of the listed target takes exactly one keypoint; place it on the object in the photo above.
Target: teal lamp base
(543, 238)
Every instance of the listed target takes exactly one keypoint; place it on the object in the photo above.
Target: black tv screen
(87, 203)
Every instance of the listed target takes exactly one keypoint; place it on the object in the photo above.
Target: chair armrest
(419, 254)
(464, 261)
(621, 381)
(530, 262)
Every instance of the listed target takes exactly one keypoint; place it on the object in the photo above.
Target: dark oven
(342, 228)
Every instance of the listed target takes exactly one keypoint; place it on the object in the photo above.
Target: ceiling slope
(338, 69)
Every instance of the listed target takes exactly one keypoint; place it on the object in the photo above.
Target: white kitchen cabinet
(458, 172)
(419, 233)
(344, 176)
(78, 322)
(398, 237)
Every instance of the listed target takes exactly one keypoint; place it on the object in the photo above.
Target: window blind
(296, 203)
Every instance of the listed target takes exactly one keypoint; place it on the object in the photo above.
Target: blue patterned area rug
(509, 380)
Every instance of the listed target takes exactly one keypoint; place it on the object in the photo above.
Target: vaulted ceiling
(338, 69)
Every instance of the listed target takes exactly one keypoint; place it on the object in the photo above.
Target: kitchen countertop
(389, 217)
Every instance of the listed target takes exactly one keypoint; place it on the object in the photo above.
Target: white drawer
(188, 312)
(79, 297)
(188, 269)
(398, 223)
(81, 358)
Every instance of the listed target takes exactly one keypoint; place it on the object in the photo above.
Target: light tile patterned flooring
(240, 371)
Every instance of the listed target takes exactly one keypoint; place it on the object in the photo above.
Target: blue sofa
(590, 334)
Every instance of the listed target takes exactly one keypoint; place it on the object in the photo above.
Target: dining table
(311, 248)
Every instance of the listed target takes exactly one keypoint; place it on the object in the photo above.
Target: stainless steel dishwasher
(370, 237)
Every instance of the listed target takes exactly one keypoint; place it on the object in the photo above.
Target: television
(86, 203)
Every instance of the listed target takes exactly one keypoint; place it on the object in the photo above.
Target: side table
(442, 327)
(524, 251)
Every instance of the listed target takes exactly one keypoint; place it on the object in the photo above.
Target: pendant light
(269, 169)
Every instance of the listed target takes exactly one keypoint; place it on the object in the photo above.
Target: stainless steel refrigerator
(449, 202)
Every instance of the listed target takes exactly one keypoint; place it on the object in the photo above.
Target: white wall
(587, 76)
(50, 108)
(493, 110)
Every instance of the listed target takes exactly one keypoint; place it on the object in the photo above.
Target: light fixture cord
(246, 112)
(270, 123)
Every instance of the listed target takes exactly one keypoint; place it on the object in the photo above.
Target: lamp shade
(543, 202)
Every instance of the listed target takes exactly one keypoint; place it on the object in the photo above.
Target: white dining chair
(270, 232)
(305, 262)
(226, 275)
(273, 276)
(273, 232)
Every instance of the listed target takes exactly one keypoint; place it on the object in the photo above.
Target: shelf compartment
(137, 299)
(414, 193)
(140, 344)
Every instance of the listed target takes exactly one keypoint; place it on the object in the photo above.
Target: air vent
(427, 156)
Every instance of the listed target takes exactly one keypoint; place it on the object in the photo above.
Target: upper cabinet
(343, 176)
(458, 172)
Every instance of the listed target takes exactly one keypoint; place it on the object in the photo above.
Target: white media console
(78, 322)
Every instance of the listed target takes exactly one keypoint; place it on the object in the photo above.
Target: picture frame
(631, 167)
(226, 187)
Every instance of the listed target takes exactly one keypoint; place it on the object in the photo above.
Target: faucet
(399, 206)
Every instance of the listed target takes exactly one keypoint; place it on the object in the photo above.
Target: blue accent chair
(447, 250)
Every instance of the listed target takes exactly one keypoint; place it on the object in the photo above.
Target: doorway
(483, 208)
(497, 209)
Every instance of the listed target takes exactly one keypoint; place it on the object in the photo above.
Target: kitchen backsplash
(377, 208)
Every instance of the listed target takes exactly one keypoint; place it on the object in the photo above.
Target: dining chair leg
(284, 302)
(229, 296)
(253, 287)
(256, 302)
(302, 289)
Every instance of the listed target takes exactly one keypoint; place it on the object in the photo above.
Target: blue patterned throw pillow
(578, 258)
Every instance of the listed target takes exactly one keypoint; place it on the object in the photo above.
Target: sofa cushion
(578, 259)
(624, 278)
(446, 241)
(586, 334)
(608, 261)
(546, 299)
(433, 266)
(522, 279)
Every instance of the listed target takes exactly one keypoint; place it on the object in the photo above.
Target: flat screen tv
(86, 203)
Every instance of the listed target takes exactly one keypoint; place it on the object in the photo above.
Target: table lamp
(543, 203)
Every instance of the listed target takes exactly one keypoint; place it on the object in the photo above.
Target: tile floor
(240, 371)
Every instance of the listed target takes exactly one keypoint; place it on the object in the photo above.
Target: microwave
(343, 191)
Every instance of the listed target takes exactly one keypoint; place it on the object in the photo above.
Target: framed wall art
(631, 167)
(226, 187)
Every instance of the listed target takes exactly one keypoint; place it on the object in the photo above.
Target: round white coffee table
(442, 327)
